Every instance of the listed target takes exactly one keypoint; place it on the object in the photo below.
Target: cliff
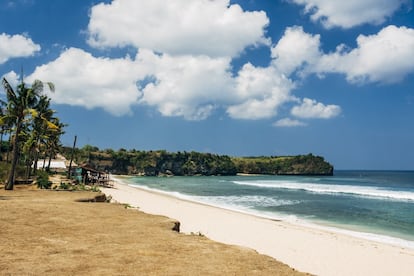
(161, 162)
(284, 165)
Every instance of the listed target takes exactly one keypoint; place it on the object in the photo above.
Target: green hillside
(161, 162)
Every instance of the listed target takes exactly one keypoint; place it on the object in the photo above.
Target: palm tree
(53, 141)
(43, 128)
(20, 109)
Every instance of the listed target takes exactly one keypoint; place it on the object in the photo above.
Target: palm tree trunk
(36, 158)
(28, 169)
(15, 157)
(8, 148)
(1, 140)
(50, 161)
(71, 158)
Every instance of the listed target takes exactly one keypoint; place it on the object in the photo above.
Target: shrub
(43, 180)
(64, 186)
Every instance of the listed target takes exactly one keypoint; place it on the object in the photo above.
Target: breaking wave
(362, 191)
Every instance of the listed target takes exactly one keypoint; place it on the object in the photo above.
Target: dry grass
(49, 232)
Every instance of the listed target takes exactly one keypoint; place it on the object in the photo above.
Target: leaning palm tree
(20, 108)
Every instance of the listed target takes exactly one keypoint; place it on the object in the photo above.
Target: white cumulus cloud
(196, 41)
(385, 57)
(187, 86)
(295, 50)
(260, 91)
(197, 27)
(312, 109)
(179, 71)
(13, 46)
(351, 13)
(12, 78)
(84, 80)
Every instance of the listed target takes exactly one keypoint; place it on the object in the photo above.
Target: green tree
(53, 144)
(38, 134)
(45, 127)
(20, 110)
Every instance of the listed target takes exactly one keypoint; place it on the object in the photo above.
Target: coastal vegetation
(284, 165)
(163, 163)
(33, 131)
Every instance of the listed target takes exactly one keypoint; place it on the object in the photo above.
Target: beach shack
(91, 176)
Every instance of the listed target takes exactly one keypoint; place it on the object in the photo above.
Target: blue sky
(249, 77)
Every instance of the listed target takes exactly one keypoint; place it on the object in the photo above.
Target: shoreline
(295, 245)
(319, 225)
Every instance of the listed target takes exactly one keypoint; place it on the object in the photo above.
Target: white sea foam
(248, 200)
(365, 191)
(228, 202)
(168, 193)
(239, 204)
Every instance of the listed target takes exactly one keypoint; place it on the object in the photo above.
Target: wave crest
(363, 191)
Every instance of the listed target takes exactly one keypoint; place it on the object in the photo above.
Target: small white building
(59, 164)
(55, 164)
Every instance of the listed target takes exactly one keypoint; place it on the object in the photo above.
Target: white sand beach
(307, 249)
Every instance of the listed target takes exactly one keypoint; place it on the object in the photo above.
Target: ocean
(377, 205)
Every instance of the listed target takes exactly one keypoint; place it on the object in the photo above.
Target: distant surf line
(363, 191)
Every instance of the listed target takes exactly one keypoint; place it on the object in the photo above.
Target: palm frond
(33, 112)
(51, 86)
(37, 87)
(52, 126)
(9, 90)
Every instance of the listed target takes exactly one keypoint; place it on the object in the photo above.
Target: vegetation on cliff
(284, 165)
(161, 162)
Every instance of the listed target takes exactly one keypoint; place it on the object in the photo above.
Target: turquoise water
(380, 203)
